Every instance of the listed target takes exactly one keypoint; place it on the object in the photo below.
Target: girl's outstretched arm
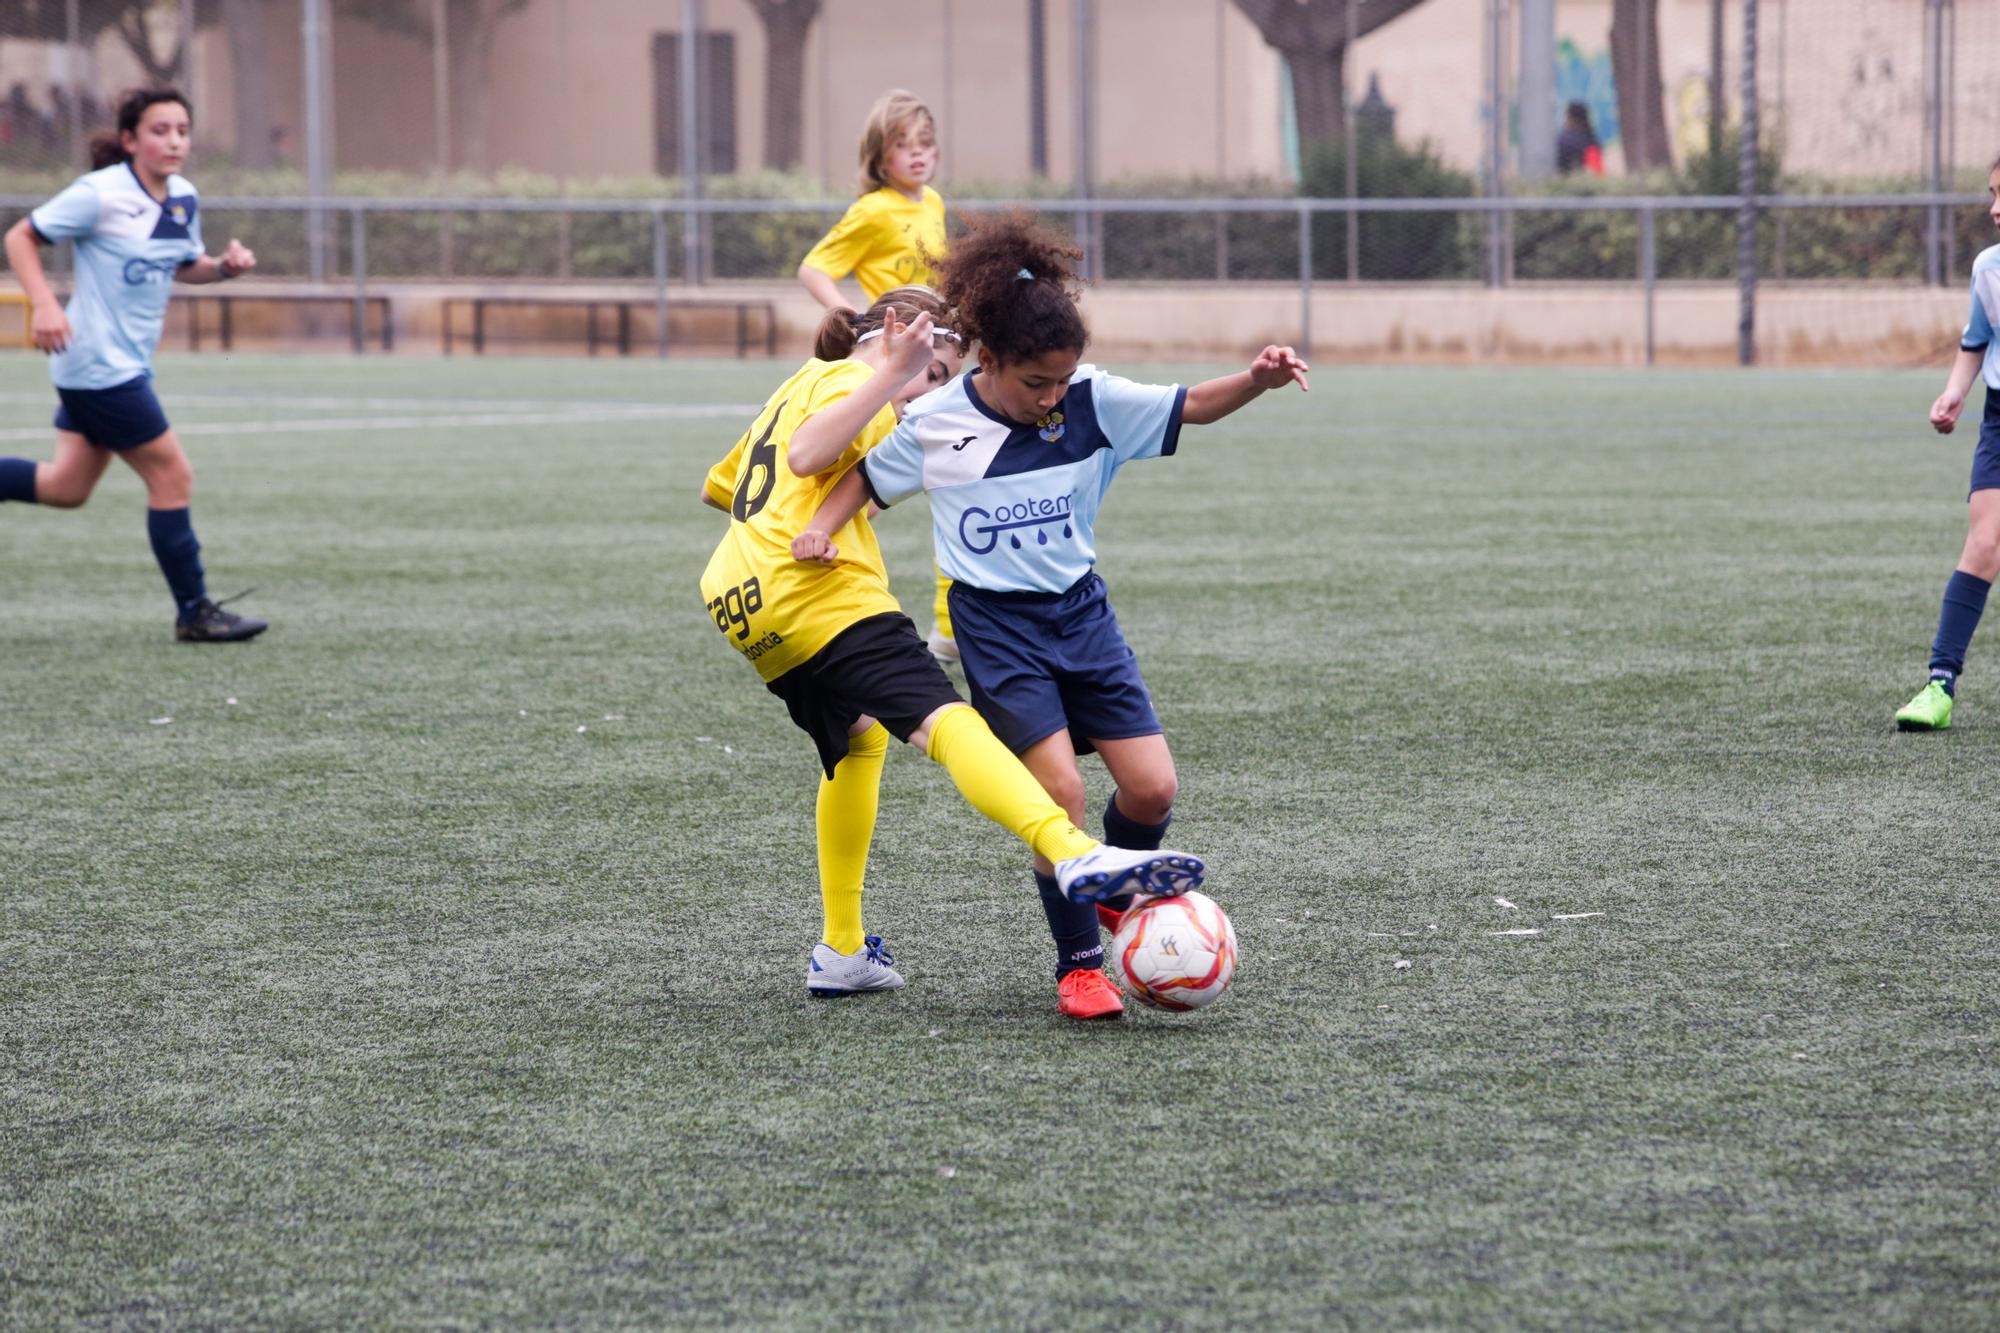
(1212, 400)
(842, 503)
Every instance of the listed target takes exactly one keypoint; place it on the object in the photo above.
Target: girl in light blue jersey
(133, 221)
(1979, 559)
(1016, 458)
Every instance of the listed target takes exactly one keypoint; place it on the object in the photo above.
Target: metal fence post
(313, 21)
(660, 275)
(1305, 281)
(1746, 184)
(1649, 269)
(358, 231)
(691, 145)
(1934, 272)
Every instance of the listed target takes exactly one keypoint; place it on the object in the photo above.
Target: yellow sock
(1000, 787)
(846, 821)
(941, 608)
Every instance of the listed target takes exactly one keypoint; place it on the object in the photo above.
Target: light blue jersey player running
(1016, 458)
(136, 229)
(1979, 560)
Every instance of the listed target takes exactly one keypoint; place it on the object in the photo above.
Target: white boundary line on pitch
(482, 420)
(414, 403)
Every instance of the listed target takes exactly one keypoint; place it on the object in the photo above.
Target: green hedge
(1590, 245)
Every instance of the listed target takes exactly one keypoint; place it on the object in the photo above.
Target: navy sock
(1121, 830)
(1079, 944)
(1964, 602)
(179, 554)
(17, 480)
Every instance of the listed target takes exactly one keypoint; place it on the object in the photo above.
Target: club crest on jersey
(1051, 427)
(981, 529)
(179, 214)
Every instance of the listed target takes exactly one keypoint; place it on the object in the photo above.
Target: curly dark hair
(842, 328)
(107, 147)
(1014, 289)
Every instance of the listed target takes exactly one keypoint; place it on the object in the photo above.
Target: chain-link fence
(692, 142)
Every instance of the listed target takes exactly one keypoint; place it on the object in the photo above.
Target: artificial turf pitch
(438, 963)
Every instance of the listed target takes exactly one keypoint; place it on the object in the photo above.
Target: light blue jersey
(129, 245)
(1013, 506)
(1979, 325)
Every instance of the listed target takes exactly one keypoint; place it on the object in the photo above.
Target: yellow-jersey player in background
(831, 642)
(888, 238)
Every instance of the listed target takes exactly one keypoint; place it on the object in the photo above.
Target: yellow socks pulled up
(1000, 787)
(845, 818)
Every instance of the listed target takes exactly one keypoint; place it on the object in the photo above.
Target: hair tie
(935, 333)
(1025, 275)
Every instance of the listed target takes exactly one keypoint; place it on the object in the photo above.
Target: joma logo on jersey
(981, 529)
(142, 272)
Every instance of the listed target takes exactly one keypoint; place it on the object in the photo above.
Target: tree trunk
(1635, 68)
(250, 83)
(138, 39)
(1316, 94)
(1312, 37)
(787, 25)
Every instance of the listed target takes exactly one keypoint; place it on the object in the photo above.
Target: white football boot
(1111, 872)
(830, 974)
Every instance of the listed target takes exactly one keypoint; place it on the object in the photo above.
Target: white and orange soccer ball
(1176, 953)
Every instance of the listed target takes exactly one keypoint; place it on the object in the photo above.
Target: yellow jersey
(882, 240)
(773, 609)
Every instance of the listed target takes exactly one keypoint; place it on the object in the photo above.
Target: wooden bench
(621, 307)
(222, 328)
(225, 303)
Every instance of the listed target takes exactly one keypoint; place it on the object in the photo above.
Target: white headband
(935, 333)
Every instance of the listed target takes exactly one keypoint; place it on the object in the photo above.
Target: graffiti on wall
(1588, 79)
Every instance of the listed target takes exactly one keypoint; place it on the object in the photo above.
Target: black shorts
(876, 668)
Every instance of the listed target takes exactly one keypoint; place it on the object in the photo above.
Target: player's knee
(1150, 798)
(56, 498)
(1982, 552)
(1067, 792)
(61, 491)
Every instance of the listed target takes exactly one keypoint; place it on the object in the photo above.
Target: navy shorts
(120, 417)
(876, 668)
(1986, 458)
(1039, 662)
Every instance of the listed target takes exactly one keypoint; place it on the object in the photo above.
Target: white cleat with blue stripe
(1111, 872)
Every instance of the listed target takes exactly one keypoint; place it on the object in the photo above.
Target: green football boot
(1929, 711)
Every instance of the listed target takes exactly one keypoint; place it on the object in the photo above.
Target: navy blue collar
(140, 181)
(972, 393)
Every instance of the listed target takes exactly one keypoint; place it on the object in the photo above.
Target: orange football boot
(1087, 993)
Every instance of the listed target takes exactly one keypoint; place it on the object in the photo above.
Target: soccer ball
(1176, 953)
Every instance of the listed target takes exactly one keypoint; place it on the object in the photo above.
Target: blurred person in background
(888, 238)
(1577, 148)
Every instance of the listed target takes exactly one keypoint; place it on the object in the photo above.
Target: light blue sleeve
(69, 215)
(195, 249)
(894, 469)
(1978, 328)
(1140, 420)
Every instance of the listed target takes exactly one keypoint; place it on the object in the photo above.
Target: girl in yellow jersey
(888, 238)
(831, 642)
